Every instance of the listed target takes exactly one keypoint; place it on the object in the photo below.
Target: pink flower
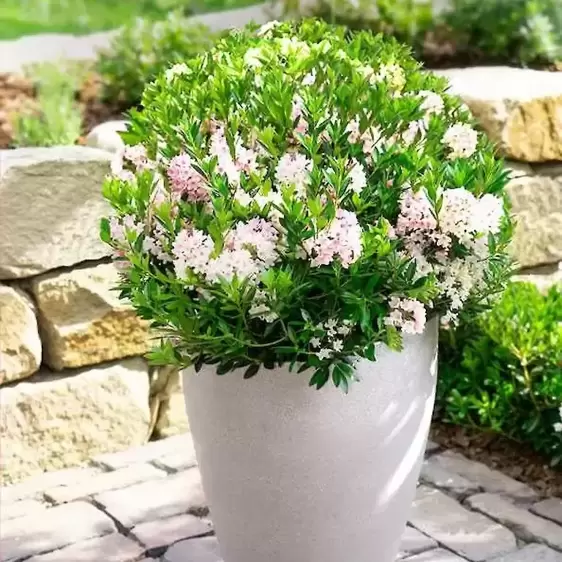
(137, 156)
(294, 169)
(406, 314)
(297, 114)
(185, 180)
(341, 239)
(259, 237)
(191, 249)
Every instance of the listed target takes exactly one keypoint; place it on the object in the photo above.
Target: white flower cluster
(249, 249)
(330, 338)
(428, 239)
(260, 308)
(407, 314)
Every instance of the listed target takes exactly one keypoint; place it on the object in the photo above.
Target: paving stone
(524, 524)
(64, 525)
(436, 474)
(157, 499)
(550, 508)
(466, 533)
(532, 553)
(164, 532)
(490, 480)
(414, 542)
(111, 548)
(180, 460)
(105, 482)
(439, 555)
(146, 453)
(194, 550)
(35, 485)
(18, 509)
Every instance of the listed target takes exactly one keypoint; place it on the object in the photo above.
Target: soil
(17, 95)
(514, 459)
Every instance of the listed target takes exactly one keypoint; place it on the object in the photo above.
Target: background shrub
(504, 371)
(466, 31)
(55, 118)
(143, 49)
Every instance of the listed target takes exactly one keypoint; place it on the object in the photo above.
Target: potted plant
(297, 208)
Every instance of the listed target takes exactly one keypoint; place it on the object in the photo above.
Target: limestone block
(51, 208)
(520, 109)
(83, 322)
(537, 206)
(20, 346)
(49, 421)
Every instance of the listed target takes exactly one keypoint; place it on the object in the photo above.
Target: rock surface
(20, 346)
(83, 322)
(51, 208)
(106, 136)
(543, 277)
(53, 421)
(520, 109)
(536, 198)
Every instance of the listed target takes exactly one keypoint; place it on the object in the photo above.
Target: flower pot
(293, 474)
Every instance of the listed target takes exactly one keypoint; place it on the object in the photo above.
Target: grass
(27, 17)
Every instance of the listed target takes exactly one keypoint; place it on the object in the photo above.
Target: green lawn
(26, 17)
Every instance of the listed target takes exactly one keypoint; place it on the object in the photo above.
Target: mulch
(514, 459)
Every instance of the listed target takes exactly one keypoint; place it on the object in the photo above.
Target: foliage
(504, 371)
(56, 119)
(470, 31)
(143, 49)
(26, 17)
(520, 31)
(267, 213)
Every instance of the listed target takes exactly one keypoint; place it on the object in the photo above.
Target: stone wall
(72, 380)
(72, 383)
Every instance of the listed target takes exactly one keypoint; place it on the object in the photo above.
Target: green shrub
(57, 119)
(502, 31)
(520, 31)
(297, 195)
(504, 372)
(144, 49)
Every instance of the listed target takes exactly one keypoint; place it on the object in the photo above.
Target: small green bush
(504, 372)
(468, 31)
(143, 49)
(57, 119)
(520, 31)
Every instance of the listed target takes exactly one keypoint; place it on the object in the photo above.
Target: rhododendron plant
(299, 195)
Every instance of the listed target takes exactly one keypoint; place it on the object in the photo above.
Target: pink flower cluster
(245, 159)
(249, 249)
(156, 244)
(428, 239)
(408, 315)
(185, 180)
(372, 139)
(137, 156)
(341, 239)
(120, 227)
(297, 114)
(294, 169)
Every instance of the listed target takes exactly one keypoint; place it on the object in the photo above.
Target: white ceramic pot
(293, 474)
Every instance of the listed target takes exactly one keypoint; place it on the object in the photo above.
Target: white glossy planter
(293, 474)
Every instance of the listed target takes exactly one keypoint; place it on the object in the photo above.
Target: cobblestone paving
(147, 505)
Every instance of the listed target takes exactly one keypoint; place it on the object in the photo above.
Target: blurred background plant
(503, 372)
(54, 118)
(143, 49)
(453, 32)
(25, 17)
